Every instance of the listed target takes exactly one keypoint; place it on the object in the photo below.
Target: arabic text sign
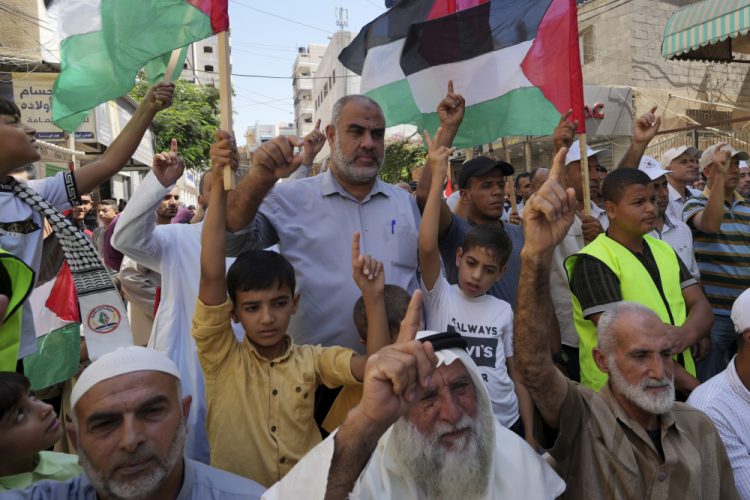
(32, 93)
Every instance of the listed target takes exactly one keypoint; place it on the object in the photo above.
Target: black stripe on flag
(472, 32)
(386, 28)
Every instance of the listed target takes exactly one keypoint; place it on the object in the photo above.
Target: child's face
(17, 144)
(265, 315)
(478, 270)
(635, 212)
(28, 428)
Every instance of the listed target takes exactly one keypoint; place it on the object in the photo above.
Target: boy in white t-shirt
(486, 322)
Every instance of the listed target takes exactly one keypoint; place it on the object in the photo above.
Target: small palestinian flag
(516, 62)
(105, 42)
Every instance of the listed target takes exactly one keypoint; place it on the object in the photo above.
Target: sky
(264, 37)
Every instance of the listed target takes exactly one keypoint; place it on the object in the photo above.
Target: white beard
(144, 485)
(655, 403)
(446, 474)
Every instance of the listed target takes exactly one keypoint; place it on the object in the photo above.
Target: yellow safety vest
(636, 285)
(21, 284)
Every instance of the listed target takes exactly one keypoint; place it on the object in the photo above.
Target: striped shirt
(723, 257)
(726, 401)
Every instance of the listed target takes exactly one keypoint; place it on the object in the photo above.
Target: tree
(401, 156)
(192, 119)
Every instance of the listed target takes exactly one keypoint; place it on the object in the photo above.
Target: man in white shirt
(683, 163)
(725, 398)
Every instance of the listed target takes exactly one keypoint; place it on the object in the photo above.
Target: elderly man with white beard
(424, 429)
(129, 426)
(629, 440)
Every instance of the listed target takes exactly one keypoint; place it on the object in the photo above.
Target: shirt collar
(734, 381)
(283, 357)
(737, 196)
(329, 185)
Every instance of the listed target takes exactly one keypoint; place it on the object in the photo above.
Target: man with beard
(424, 429)
(312, 220)
(129, 426)
(720, 220)
(627, 264)
(628, 440)
(79, 212)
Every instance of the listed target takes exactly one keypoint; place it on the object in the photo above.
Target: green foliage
(400, 157)
(192, 119)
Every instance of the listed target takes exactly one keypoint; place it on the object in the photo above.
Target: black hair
(491, 237)
(617, 181)
(202, 182)
(259, 270)
(396, 302)
(109, 202)
(521, 176)
(13, 387)
(9, 108)
(601, 169)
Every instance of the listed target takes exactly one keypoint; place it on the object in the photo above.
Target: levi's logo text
(483, 351)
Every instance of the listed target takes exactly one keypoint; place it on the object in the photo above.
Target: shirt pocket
(403, 240)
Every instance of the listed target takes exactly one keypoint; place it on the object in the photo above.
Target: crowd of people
(335, 336)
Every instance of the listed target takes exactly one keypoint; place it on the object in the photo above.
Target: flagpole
(585, 173)
(510, 178)
(225, 98)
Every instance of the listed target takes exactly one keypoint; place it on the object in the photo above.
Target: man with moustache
(744, 185)
(312, 219)
(423, 429)
(629, 439)
(129, 426)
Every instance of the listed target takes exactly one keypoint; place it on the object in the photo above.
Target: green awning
(705, 30)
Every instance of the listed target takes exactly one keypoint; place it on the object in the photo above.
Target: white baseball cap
(120, 362)
(574, 152)
(668, 157)
(743, 164)
(741, 312)
(733, 153)
(652, 168)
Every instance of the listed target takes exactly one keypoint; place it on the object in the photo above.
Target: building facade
(304, 70)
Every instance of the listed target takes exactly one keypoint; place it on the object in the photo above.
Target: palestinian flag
(105, 42)
(516, 62)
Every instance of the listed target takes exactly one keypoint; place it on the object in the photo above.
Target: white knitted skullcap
(119, 362)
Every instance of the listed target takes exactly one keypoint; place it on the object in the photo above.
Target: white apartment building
(202, 62)
(303, 70)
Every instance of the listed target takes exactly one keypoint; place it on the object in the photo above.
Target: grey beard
(447, 474)
(143, 486)
(656, 404)
(348, 169)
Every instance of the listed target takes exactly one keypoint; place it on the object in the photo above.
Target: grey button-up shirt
(313, 220)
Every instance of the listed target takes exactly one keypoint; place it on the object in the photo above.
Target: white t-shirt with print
(486, 323)
(21, 229)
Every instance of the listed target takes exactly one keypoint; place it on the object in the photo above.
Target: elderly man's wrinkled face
(131, 433)
(446, 439)
(641, 366)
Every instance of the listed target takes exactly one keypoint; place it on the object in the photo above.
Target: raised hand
(721, 158)
(367, 272)
(312, 144)
(397, 374)
(550, 212)
(437, 155)
(646, 127)
(451, 109)
(565, 132)
(159, 96)
(591, 228)
(275, 159)
(168, 166)
(223, 152)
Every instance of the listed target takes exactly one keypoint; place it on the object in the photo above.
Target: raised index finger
(173, 148)
(317, 125)
(412, 318)
(557, 172)
(450, 86)
(564, 118)
(355, 246)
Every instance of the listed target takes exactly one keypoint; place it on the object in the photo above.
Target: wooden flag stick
(509, 179)
(174, 58)
(585, 175)
(225, 99)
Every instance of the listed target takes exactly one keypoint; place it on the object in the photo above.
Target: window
(208, 68)
(184, 65)
(586, 45)
(208, 50)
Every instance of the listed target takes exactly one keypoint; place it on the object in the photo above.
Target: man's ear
(295, 300)
(186, 407)
(459, 253)
(600, 359)
(611, 209)
(234, 315)
(330, 134)
(464, 195)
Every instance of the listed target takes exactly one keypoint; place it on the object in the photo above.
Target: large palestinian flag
(516, 62)
(105, 42)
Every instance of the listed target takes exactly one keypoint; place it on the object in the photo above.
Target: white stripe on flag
(478, 79)
(76, 17)
(382, 66)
